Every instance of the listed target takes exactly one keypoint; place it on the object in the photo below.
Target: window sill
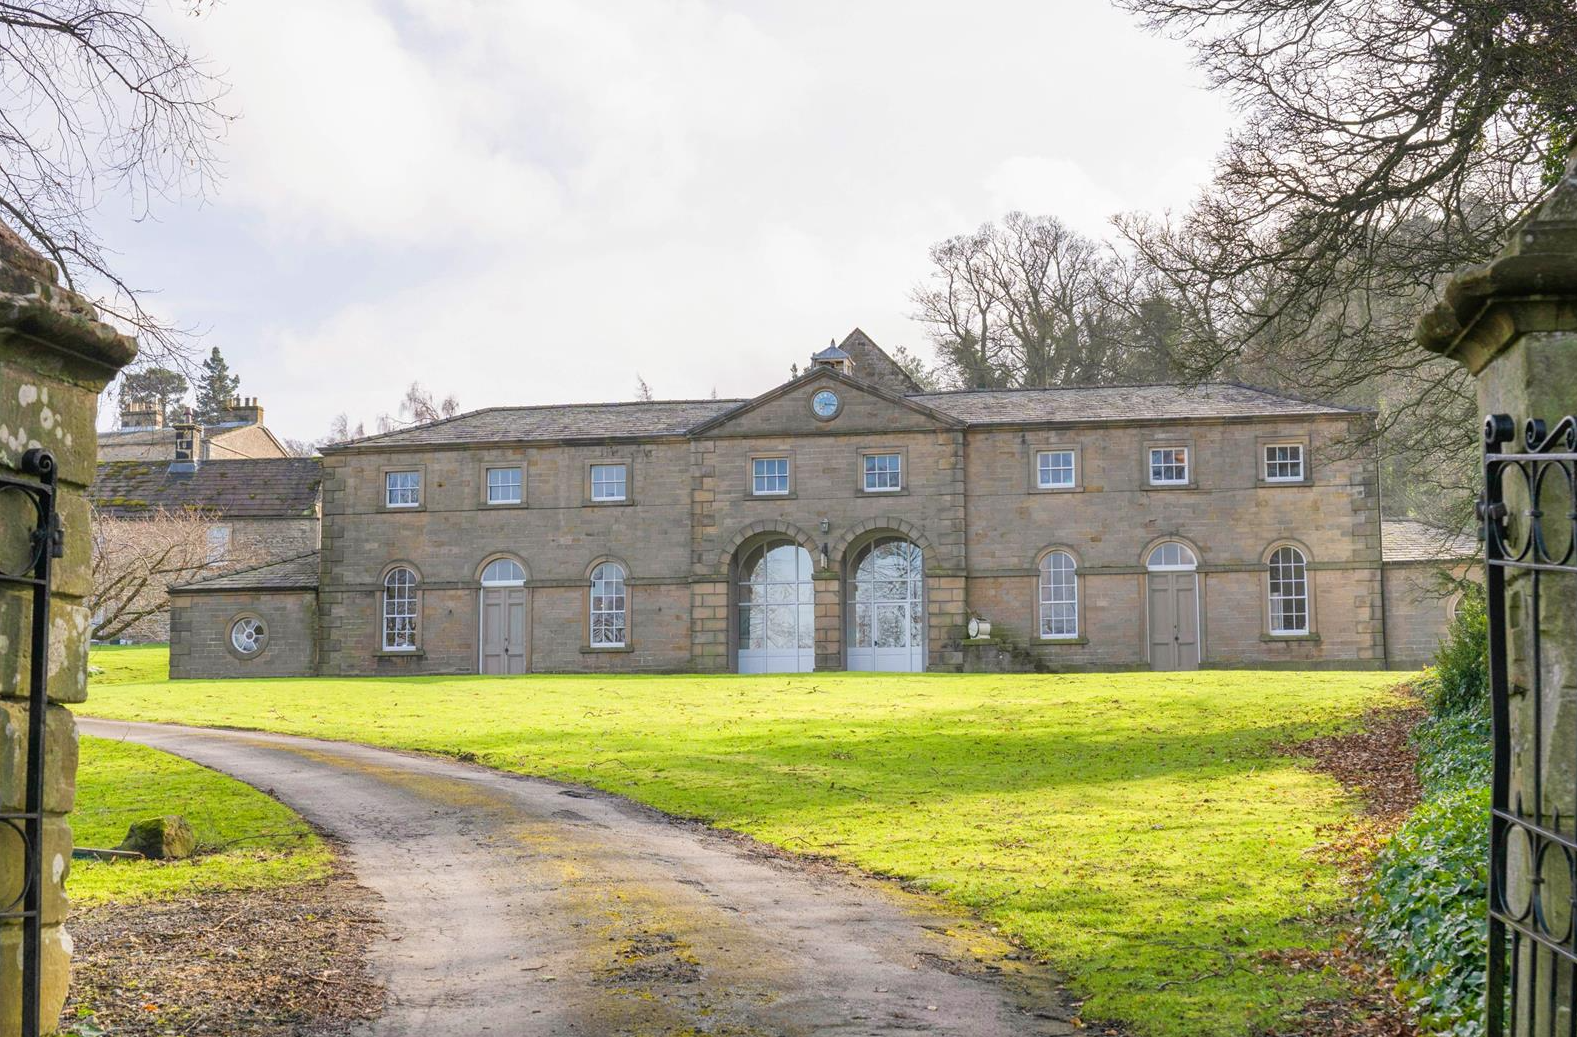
(1055, 489)
(1171, 486)
(1285, 482)
(405, 507)
(771, 496)
(399, 653)
(1062, 640)
(1289, 637)
(489, 505)
(605, 649)
(622, 503)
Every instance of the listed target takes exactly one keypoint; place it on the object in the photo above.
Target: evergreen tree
(157, 385)
(216, 388)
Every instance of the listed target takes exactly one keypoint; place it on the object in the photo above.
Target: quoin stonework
(843, 520)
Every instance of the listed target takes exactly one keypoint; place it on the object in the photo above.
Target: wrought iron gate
(43, 546)
(1529, 523)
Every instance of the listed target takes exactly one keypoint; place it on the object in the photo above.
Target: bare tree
(136, 559)
(95, 98)
(1381, 145)
(1030, 302)
(418, 407)
(643, 391)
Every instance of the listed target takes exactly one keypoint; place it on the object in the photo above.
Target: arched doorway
(886, 586)
(777, 609)
(1173, 606)
(505, 632)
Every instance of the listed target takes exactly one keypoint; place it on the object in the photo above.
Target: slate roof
(595, 421)
(268, 487)
(1408, 540)
(1118, 403)
(287, 574)
(557, 421)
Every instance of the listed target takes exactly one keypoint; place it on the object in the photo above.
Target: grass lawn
(245, 839)
(1137, 830)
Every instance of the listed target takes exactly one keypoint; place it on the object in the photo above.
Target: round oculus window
(248, 635)
(825, 404)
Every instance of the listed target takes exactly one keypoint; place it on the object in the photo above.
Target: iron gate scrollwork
(43, 546)
(1528, 516)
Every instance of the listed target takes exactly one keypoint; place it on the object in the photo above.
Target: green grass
(245, 839)
(120, 664)
(1140, 831)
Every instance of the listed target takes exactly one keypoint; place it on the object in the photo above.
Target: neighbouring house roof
(593, 421)
(1408, 540)
(238, 440)
(1119, 403)
(271, 487)
(288, 574)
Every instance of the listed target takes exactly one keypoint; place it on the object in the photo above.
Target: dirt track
(518, 906)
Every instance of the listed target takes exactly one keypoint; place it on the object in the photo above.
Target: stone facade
(969, 500)
(55, 358)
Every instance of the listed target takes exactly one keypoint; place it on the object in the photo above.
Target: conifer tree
(216, 388)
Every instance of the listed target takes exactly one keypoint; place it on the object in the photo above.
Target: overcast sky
(532, 203)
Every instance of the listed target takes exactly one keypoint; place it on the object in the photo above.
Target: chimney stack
(140, 414)
(188, 444)
(241, 410)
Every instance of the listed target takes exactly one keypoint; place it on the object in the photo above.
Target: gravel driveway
(519, 906)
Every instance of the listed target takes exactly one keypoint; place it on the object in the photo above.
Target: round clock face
(824, 403)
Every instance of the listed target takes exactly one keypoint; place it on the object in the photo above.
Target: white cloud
(531, 201)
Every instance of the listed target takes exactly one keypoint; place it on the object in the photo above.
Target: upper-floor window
(1059, 596)
(608, 482)
(402, 489)
(503, 485)
(1054, 469)
(609, 608)
(399, 610)
(218, 543)
(1289, 592)
(769, 475)
(883, 473)
(1284, 462)
(1168, 466)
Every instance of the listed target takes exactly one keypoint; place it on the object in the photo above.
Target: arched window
(1059, 596)
(608, 606)
(1171, 555)
(777, 610)
(399, 610)
(503, 572)
(1289, 592)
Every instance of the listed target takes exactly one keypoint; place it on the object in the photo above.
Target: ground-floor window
(399, 610)
(887, 591)
(1059, 596)
(609, 606)
(1289, 592)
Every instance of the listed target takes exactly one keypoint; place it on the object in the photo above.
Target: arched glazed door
(777, 610)
(887, 607)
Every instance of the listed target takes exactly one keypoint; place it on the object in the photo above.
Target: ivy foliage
(1426, 906)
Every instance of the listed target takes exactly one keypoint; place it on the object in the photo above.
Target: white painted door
(777, 610)
(1174, 620)
(505, 631)
(887, 608)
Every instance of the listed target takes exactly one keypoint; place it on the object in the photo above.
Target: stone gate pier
(56, 356)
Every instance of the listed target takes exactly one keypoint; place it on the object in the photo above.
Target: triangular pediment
(860, 407)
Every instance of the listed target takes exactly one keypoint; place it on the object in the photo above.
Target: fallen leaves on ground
(264, 963)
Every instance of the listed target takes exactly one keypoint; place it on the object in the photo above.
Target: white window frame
(871, 466)
(1282, 574)
(598, 490)
(401, 601)
(519, 484)
(1266, 461)
(414, 488)
(609, 583)
(758, 477)
(1176, 451)
(1052, 595)
(1043, 470)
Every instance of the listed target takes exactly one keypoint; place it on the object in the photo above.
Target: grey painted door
(1174, 620)
(505, 634)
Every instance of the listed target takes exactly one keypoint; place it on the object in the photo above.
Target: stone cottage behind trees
(842, 520)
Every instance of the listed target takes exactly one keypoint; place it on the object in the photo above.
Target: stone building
(258, 510)
(843, 520)
(143, 434)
